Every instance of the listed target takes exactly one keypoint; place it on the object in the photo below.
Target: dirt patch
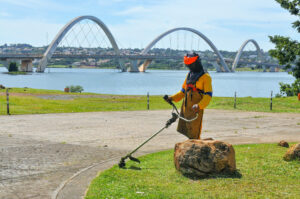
(57, 97)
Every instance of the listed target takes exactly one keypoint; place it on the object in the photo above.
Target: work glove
(195, 108)
(168, 99)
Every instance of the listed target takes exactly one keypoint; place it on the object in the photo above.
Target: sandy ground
(39, 152)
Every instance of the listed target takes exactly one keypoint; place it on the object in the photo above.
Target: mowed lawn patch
(36, 101)
(264, 174)
(259, 104)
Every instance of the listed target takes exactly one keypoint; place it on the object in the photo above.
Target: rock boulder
(293, 153)
(283, 144)
(199, 158)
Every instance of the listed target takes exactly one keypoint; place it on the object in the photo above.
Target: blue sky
(135, 23)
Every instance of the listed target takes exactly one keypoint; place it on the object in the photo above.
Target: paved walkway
(41, 152)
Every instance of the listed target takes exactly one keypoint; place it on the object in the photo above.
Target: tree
(287, 51)
(75, 89)
(13, 67)
(290, 90)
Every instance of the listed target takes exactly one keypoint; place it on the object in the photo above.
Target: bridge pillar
(264, 67)
(134, 66)
(143, 67)
(26, 65)
(122, 65)
(217, 66)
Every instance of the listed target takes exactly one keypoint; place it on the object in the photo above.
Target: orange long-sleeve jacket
(204, 84)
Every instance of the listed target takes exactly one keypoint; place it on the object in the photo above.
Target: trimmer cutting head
(122, 161)
(169, 122)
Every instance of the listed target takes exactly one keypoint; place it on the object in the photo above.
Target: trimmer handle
(166, 98)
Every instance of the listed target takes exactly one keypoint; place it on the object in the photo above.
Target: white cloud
(134, 10)
(16, 3)
(227, 23)
(223, 21)
(35, 4)
(27, 31)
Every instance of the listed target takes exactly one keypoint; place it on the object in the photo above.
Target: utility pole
(7, 101)
(148, 101)
(234, 100)
(271, 103)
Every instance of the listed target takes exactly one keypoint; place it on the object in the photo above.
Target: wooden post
(148, 106)
(7, 101)
(271, 100)
(234, 100)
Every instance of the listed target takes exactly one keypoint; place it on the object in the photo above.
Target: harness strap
(193, 88)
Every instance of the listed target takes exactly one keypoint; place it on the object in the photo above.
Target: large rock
(293, 153)
(199, 158)
(283, 144)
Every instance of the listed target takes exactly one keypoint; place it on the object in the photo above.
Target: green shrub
(290, 89)
(75, 89)
(13, 67)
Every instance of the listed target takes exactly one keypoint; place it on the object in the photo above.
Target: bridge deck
(111, 56)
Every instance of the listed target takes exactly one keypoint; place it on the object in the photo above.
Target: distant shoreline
(243, 69)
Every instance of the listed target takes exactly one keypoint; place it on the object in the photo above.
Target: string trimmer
(175, 115)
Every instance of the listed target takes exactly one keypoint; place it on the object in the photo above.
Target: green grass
(17, 73)
(58, 66)
(242, 69)
(68, 66)
(248, 69)
(30, 101)
(26, 90)
(264, 174)
(284, 104)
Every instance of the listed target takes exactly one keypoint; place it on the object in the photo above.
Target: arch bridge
(144, 66)
(144, 56)
(52, 47)
(240, 51)
(220, 60)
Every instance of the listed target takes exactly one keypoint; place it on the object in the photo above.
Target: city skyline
(227, 23)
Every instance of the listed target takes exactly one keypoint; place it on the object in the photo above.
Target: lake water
(156, 82)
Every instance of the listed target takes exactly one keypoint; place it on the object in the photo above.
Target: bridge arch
(52, 47)
(240, 51)
(144, 66)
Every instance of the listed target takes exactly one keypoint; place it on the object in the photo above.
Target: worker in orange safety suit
(196, 93)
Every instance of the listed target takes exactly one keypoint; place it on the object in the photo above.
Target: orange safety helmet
(189, 60)
(193, 62)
